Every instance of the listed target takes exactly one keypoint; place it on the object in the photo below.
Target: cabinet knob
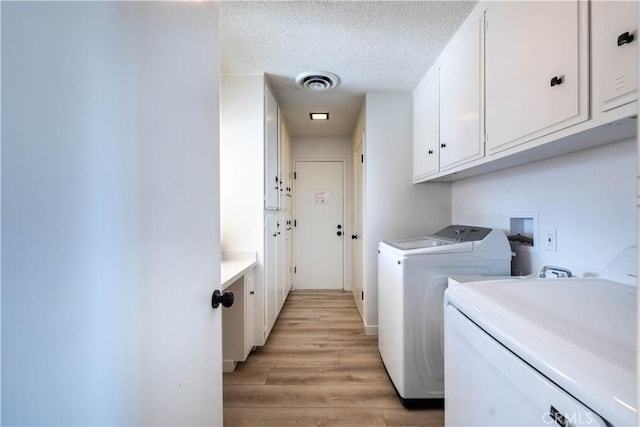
(557, 80)
(443, 145)
(339, 233)
(625, 38)
(354, 237)
(430, 152)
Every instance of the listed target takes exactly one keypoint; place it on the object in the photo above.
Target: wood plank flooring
(318, 368)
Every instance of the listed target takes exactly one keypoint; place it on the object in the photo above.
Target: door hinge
(295, 269)
(295, 175)
(295, 222)
(361, 158)
(362, 296)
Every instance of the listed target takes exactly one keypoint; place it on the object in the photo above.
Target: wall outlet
(550, 240)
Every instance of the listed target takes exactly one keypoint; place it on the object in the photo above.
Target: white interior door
(319, 230)
(110, 214)
(358, 225)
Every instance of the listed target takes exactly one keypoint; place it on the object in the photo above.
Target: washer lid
(431, 245)
(580, 333)
(419, 243)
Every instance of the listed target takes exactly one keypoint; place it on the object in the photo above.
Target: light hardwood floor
(318, 368)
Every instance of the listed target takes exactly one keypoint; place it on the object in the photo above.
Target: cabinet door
(271, 152)
(615, 53)
(285, 169)
(460, 100)
(280, 277)
(270, 271)
(534, 84)
(425, 126)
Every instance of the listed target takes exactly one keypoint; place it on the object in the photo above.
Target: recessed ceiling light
(319, 116)
(317, 80)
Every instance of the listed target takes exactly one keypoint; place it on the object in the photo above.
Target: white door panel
(110, 214)
(358, 221)
(460, 100)
(615, 57)
(320, 228)
(528, 44)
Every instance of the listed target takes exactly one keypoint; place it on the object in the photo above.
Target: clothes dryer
(550, 351)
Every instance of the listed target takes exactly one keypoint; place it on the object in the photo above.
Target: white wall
(332, 148)
(242, 175)
(588, 196)
(394, 207)
(110, 213)
(242, 162)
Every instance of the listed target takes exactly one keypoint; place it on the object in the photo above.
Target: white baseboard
(370, 330)
(228, 366)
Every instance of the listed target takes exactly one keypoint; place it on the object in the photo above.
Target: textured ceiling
(373, 46)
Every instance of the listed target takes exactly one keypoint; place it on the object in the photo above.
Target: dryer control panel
(464, 233)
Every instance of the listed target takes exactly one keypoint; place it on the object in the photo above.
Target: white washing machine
(543, 352)
(412, 278)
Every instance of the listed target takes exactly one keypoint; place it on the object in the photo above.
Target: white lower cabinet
(271, 273)
(536, 78)
(461, 99)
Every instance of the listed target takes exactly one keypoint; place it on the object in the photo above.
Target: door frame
(344, 210)
(358, 192)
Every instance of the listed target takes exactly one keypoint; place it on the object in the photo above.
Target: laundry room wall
(331, 148)
(589, 197)
(394, 207)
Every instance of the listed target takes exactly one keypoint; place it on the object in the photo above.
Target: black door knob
(226, 299)
(354, 237)
(339, 233)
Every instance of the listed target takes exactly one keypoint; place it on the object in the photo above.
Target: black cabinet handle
(625, 38)
(443, 145)
(557, 80)
(339, 227)
(226, 299)
(354, 237)
(339, 233)
(430, 152)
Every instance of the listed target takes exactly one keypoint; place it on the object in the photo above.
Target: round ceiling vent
(317, 80)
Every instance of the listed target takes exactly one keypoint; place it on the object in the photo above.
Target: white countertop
(235, 265)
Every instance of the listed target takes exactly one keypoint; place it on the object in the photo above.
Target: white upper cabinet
(271, 152)
(536, 75)
(460, 98)
(614, 53)
(425, 126)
